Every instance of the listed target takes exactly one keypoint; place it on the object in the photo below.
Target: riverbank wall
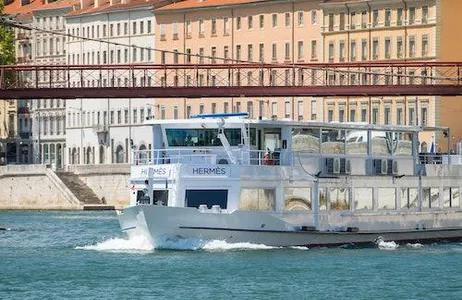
(37, 187)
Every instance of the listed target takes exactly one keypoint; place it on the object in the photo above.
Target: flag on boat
(432, 148)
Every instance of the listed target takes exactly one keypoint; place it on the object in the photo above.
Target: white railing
(207, 156)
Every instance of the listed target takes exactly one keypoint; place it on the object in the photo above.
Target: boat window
(430, 197)
(160, 197)
(356, 142)
(387, 198)
(403, 144)
(142, 196)
(195, 198)
(363, 198)
(409, 198)
(272, 139)
(305, 140)
(199, 137)
(297, 199)
(322, 198)
(339, 199)
(257, 199)
(451, 197)
(333, 141)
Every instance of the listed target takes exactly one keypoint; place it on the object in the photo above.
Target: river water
(84, 255)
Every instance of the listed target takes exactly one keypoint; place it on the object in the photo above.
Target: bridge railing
(230, 75)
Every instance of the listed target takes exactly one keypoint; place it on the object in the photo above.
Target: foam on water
(218, 245)
(383, 245)
(414, 246)
(137, 244)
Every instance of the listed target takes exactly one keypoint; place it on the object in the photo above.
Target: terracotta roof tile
(16, 8)
(59, 4)
(191, 4)
(107, 7)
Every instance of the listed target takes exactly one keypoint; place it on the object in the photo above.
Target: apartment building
(17, 145)
(409, 30)
(102, 131)
(223, 32)
(49, 115)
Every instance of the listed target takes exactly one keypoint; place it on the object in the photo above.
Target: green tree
(7, 51)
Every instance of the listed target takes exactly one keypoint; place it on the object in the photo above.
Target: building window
(163, 113)
(387, 17)
(411, 118)
(341, 114)
(342, 22)
(352, 115)
(424, 14)
(301, 21)
(226, 26)
(411, 15)
(375, 18)
(149, 29)
(261, 52)
(399, 17)
(201, 109)
(314, 17)
(134, 28)
(201, 28)
(330, 115)
(399, 47)
(424, 116)
(300, 50)
(274, 52)
(425, 45)
(364, 49)
(364, 19)
(275, 20)
(238, 23)
(261, 21)
(175, 112)
(287, 51)
(353, 20)
(387, 115)
(342, 51)
(375, 115)
(399, 116)
(287, 19)
(214, 27)
(411, 46)
(238, 52)
(387, 48)
(331, 51)
(188, 29)
(331, 22)
(363, 115)
(375, 49)
(314, 52)
(353, 50)
(249, 22)
(250, 52)
(274, 109)
(175, 30)
(287, 110)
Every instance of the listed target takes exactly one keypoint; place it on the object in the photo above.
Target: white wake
(134, 245)
(383, 245)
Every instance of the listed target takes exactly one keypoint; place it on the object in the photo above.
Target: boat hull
(160, 223)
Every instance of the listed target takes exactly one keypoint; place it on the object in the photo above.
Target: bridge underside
(221, 92)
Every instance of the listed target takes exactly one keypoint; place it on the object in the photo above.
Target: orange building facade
(248, 31)
(315, 31)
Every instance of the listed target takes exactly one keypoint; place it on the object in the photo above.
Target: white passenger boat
(286, 183)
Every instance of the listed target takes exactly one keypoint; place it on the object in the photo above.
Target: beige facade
(365, 31)
(248, 31)
(316, 31)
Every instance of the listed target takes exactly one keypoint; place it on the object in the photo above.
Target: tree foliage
(7, 51)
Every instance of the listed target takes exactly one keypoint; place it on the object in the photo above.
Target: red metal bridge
(230, 80)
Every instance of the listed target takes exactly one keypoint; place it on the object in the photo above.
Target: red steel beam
(221, 92)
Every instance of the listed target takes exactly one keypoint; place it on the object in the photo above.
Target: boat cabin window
(200, 137)
(257, 199)
(297, 198)
(160, 197)
(142, 196)
(306, 140)
(195, 198)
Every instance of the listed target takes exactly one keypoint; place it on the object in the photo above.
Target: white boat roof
(178, 123)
